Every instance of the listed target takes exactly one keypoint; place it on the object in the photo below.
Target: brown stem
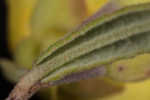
(20, 93)
(27, 86)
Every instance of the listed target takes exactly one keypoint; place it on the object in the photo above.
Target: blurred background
(5, 86)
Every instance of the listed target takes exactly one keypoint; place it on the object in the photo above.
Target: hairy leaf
(111, 37)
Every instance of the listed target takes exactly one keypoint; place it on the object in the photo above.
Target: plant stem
(30, 83)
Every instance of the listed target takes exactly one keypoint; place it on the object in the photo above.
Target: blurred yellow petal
(56, 14)
(131, 2)
(94, 5)
(47, 20)
(132, 91)
(19, 14)
(90, 89)
(134, 68)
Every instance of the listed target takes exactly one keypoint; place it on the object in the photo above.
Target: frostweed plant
(113, 33)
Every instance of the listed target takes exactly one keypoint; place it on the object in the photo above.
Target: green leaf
(111, 37)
